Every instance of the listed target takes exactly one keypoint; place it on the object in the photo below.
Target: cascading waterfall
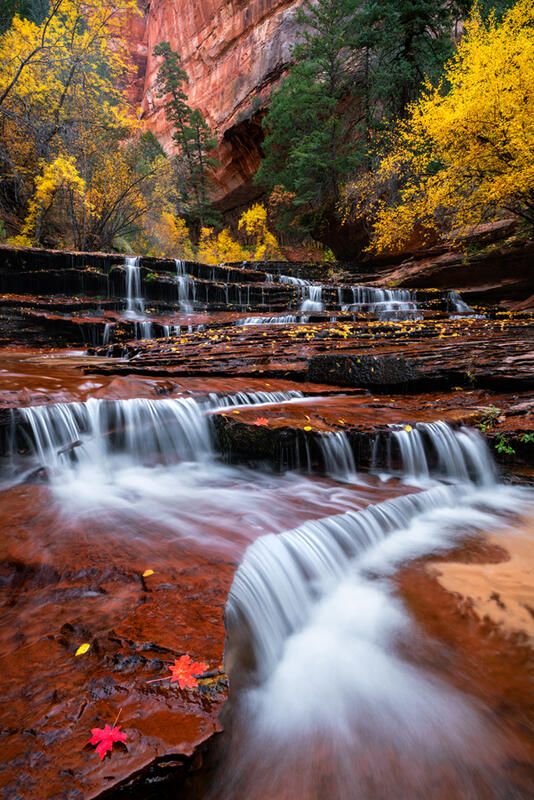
(314, 300)
(254, 398)
(338, 456)
(283, 319)
(64, 435)
(456, 303)
(435, 449)
(386, 304)
(135, 304)
(321, 695)
(186, 288)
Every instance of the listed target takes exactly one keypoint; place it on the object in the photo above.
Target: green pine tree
(309, 146)
(193, 139)
(357, 67)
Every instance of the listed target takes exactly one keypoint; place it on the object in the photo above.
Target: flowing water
(135, 305)
(330, 695)
(385, 304)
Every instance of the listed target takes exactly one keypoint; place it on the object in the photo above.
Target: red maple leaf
(261, 421)
(104, 738)
(183, 670)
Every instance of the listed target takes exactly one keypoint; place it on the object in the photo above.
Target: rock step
(471, 352)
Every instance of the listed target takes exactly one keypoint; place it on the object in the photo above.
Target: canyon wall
(233, 52)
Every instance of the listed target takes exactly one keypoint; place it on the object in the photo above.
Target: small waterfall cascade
(283, 576)
(459, 308)
(314, 625)
(86, 433)
(63, 436)
(291, 281)
(145, 329)
(386, 304)
(338, 456)
(135, 305)
(253, 398)
(458, 305)
(107, 333)
(186, 288)
(314, 299)
(287, 319)
(434, 449)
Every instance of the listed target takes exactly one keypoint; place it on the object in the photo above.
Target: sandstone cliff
(233, 51)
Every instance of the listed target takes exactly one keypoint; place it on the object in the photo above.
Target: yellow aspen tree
(465, 154)
(254, 223)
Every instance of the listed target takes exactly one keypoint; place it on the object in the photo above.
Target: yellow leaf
(148, 572)
(408, 428)
(83, 648)
(307, 428)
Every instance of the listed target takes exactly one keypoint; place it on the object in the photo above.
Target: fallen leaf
(261, 421)
(408, 428)
(148, 572)
(183, 670)
(83, 648)
(307, 428)
(104, 738)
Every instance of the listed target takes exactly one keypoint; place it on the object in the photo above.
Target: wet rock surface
(353, 371)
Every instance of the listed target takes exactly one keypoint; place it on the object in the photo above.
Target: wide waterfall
(283, 319)
(441, 451)
(63, 436)
(386, 304)
(321, 680)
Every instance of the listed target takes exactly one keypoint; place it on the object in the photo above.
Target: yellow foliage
(465, 154)
(254, 222)
(172, 237)
(60, 173)
(63, 106)
(217, 248)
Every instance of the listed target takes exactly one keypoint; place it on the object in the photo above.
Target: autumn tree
(464, 155)
(357, 65)
(192, 137)
(75, 163)
(253, 223)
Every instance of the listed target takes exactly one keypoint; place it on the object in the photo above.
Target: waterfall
(169, 430)
(186, 288)
(456, 303)
(253, 398)
(434, 448)
(62, 436)
(386, 304)
(321, 681)
(338, 457)
(134, 299)
(107, 331)
(314, 301)
(283, 576)
(283, 319)
(290, 280)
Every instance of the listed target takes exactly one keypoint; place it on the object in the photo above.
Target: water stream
(326, 699)
(135, 305)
